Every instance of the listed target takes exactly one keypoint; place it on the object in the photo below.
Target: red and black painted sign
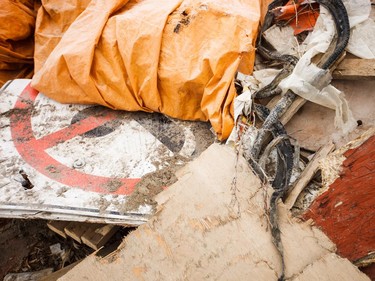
(33, 150)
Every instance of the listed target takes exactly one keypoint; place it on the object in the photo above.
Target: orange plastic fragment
(301, 16)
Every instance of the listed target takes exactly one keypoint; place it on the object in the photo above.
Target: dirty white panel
(79, 162)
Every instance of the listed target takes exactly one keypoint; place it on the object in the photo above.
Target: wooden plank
(76, 229)
(216, 233)
(99, 236)
(294, 107)
(345, 211)
(353, 68)
(58, 227)
(307, 174)
(313, 126)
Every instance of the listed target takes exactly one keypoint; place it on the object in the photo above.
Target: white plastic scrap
(362, 40)
(243, 103)
(362, 37)
(358, 11)
(284, 41)
(56, 249)
(306, 78)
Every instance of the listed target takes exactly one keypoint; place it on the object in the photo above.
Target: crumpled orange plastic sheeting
(17, 22)
(53, 20)
(172, 56)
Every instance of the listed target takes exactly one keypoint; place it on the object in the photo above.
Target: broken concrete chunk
(330, 268)
(212, 225)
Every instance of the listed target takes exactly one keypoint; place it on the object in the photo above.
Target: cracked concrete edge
(330, 267)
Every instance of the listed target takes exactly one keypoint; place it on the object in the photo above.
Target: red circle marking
(32, 150)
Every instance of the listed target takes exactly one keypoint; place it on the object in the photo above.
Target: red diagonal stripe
(74, 130)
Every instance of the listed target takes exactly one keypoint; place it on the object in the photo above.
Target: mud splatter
(152, 184)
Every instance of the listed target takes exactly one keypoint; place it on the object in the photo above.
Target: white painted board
(82, 161)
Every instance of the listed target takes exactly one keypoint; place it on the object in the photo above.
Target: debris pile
(307, 77)
(28, 246)
(116, 129)
(270, 118)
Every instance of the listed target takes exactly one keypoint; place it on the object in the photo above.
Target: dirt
(113, 185)
(153, 183)
(203, 137)
(184, 21)
(25, 247)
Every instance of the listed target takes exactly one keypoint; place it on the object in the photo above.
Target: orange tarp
(17, 22)
(53, 20)
(175, 57)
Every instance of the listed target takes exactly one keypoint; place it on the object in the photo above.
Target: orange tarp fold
(172, 56)
(17, 23)
(53, 20)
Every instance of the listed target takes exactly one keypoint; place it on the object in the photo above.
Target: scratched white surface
(128, 152)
